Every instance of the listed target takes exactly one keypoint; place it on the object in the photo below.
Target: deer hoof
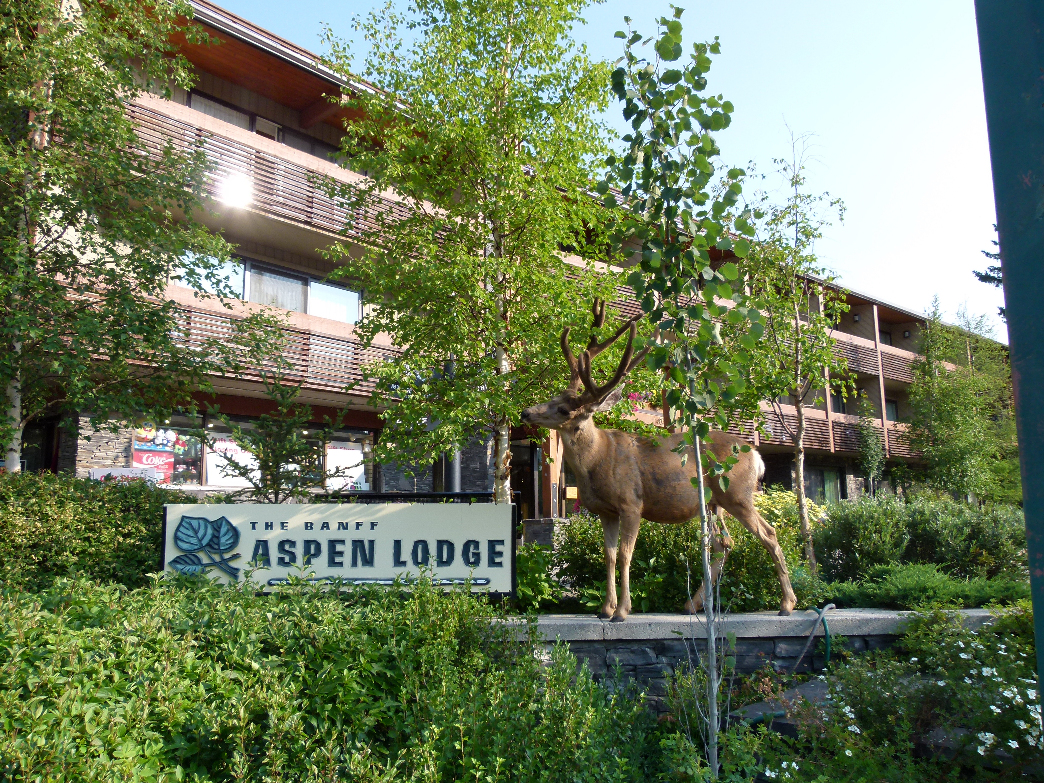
(785, 611)
(617, 619)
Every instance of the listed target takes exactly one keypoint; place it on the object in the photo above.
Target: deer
(624, 478)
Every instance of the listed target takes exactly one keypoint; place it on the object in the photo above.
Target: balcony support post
(880, 381)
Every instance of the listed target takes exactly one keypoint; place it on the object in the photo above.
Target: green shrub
(535, 579)
(53, 525)
(918, 585)
(185, 680)
(860, 534)
(965, 540)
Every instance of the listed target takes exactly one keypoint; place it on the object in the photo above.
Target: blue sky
(891, 91)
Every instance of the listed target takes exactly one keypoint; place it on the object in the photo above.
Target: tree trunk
(502, 445)
(13, 455)
(709, 609)
(799, 488)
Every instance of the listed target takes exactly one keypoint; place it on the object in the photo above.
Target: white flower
(769, 773)
(966, 656)
(854, 729)
(968, 680)
(960, 644)
(941, 683)
(1021, 724)
(1013, 743)
(913, 660)
(995, 709)
(986, 737)
(848, 753)
(847, 712)
(1032, 693)
(982, 750)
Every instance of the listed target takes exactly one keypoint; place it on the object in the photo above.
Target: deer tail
(759, 465)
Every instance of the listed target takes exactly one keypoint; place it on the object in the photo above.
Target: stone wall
(89, 448)
(649, 648)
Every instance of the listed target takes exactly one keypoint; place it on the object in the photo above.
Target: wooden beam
(318, 111)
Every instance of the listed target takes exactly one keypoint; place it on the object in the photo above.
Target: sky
(888, 92)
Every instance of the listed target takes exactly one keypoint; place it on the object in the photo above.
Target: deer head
(583, 397)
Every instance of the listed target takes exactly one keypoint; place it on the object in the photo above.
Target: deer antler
(580, 367)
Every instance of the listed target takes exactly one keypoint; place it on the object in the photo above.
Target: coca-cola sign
(161, 461)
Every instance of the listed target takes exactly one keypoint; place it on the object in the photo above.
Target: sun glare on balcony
(236, 190)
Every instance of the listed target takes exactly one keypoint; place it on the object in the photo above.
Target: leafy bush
(858, 535)
(919, 585)
(535, 581)
(191, 681)
(52, 525)
(965, 540)
(890, 712)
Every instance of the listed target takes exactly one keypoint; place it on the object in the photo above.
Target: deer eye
(564, 410)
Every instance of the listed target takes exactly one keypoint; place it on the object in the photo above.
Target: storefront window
(169, 449)
(351, 455)
(223, 450)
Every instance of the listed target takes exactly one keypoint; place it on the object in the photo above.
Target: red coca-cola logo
(146, 459)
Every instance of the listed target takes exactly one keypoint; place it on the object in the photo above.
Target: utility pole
(1011, 48)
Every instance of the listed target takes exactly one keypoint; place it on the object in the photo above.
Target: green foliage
(963, 540)
(919, 585)
(54, 525)
(861, 534)
(93, 225)
(871, 445)
(535, 581)
(801, 307)
(888, 711)
(491, 168)
(288, 449)
(874, 552)
(192, 681)
(963, 411)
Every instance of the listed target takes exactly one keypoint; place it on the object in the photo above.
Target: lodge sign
(357, 543)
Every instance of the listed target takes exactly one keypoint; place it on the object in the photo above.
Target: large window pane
(220, 111)
(170, 450)
(222, 451)
(349, 458)
(276, 289)
(331, 301)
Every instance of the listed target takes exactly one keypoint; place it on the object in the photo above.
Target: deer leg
(721, 544)
(629, 525)
(766, 534)
(611, 532)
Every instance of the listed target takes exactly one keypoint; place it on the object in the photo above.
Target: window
(891, 410)
(170, 449)
(352, 455)
(223, 451)
(824, 485)
(838, 404)
(312, 146)
(886, 338)
(277, 289)
(219, 111)
(332, 301)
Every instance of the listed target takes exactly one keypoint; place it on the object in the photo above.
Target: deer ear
(611, 399)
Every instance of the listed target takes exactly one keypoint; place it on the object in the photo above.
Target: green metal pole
(1011, 47)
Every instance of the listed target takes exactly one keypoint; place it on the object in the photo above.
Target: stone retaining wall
(650, 647)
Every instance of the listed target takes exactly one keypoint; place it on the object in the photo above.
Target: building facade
(259, 109)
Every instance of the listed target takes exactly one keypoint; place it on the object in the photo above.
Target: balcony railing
(281, 188)
(316, 361)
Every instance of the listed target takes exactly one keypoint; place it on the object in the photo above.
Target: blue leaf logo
(195, 535)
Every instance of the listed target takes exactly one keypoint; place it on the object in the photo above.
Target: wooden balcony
(286, 184)
(317, 361)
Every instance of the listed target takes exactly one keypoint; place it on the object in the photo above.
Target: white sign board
(355, 542)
